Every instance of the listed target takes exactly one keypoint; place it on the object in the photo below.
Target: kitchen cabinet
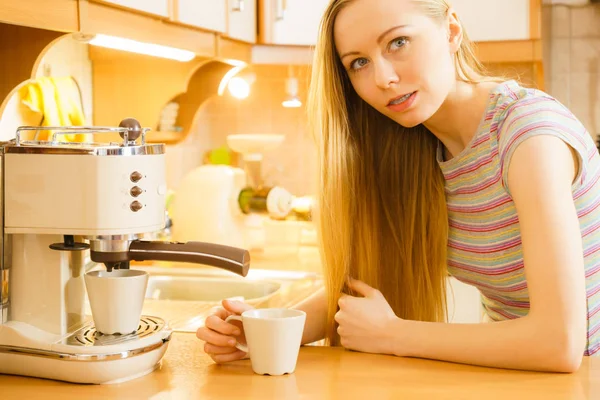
(242, 20)
(290, 22)
(207, 14)
(55, 15)
(156, 7)
(296, 22)
(493, 20)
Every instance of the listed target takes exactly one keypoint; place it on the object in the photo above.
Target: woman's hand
(366, 323)
(221, 336)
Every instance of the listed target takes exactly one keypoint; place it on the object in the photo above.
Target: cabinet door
(242, 20)
(158, 7)
(493, 20)
(206, 14)
(464, 302)
(292, 22)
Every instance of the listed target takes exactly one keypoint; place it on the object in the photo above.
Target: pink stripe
(492, 271)
(486, 249)
(501, 312)
(591, 250)
(469, 168)
(480, 141)
(593, 331)
(513, 94)
(586, 211)
(593, 291)
(593, 311)
(512, 303)
(592, 271)
(480, 285)
(590, 229)
(486, 207)
(485, 228)
(480, 187)
(587, 188)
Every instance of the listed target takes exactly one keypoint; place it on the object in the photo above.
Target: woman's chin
(409, 121)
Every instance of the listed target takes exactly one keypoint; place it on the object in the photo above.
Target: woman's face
(399, 60)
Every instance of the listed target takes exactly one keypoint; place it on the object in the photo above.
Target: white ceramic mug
(274, 336)
(116, 299)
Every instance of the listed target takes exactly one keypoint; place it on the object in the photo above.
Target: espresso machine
(67, 207)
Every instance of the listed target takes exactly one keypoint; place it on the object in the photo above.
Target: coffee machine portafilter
(63, 203)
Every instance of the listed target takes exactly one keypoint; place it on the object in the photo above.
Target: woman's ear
(455, 31)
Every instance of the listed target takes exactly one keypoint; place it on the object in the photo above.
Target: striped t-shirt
(484, 246)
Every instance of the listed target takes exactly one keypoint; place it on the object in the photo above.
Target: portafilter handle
(229, 258)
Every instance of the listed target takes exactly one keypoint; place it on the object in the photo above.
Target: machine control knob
(135, 206)
(135, 176)
(136, 191)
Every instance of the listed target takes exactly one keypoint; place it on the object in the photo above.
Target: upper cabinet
(156, 7)
(242, 20)
(56, 15)
(290, 22)
(207, 14)
(493, 20)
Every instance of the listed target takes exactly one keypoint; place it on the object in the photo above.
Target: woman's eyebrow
(379, 39)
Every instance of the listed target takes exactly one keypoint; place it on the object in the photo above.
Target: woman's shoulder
(520, 109)
(521, 113)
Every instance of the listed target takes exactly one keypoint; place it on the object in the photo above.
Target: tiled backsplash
(571, 37)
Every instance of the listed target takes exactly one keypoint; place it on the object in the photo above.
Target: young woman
(428, 167)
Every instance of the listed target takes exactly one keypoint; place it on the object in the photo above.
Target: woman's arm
(553, 335)
(315, 308)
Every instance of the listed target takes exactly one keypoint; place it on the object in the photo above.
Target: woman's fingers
(223, 358)
(212, 349)
(215, 338)
(217, 324)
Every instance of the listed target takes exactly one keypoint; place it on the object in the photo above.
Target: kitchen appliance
(227, 205)
(64, 208)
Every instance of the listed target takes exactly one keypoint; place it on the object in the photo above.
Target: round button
(135, 176)
(136, 206)
(136, 191)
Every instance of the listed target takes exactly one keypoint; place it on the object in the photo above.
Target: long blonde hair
(381, 212)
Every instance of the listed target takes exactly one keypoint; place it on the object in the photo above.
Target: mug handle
(238, 345)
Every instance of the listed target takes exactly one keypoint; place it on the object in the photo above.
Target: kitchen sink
(208, 289)
(185, 296)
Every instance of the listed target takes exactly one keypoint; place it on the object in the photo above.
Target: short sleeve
(535, 116)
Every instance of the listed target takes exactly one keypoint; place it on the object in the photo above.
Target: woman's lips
(404, 105)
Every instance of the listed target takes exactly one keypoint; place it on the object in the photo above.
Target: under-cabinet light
(157, 50)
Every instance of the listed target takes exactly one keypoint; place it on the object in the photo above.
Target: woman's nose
(385, 74)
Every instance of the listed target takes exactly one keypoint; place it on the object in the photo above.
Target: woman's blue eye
(397, 43)
(358, 63)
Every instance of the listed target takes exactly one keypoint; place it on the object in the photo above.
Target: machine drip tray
(88, 336)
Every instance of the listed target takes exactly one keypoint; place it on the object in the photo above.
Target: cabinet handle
(281, 7)
(239, 7)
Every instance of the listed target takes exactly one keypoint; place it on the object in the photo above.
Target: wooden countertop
(322, 373)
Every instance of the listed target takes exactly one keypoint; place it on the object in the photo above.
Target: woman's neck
(457, 120)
